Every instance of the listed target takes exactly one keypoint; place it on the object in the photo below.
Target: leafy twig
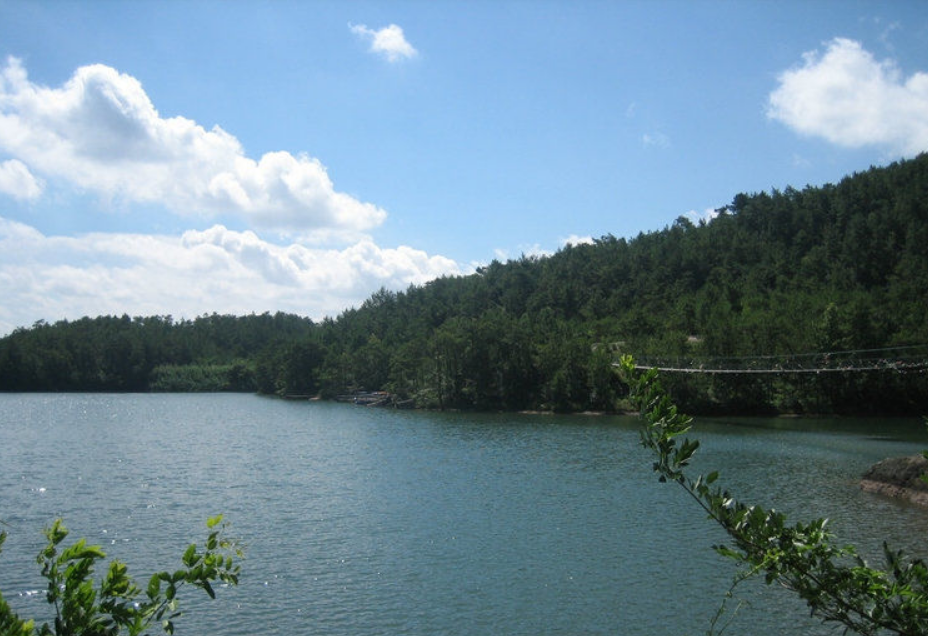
(835, 582)
(117, 604)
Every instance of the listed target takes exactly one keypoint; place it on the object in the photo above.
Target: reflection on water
(361, 521)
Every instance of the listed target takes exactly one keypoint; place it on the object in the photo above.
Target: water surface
(364, 522)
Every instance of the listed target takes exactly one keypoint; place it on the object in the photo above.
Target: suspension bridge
(907, 359)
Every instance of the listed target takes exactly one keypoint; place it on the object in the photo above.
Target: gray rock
(899, 477)
(905, 472)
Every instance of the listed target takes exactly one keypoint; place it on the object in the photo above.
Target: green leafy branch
(834, 581)
(117, 605)
(924, 477)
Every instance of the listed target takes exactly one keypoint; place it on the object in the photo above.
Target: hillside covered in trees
(831, 268)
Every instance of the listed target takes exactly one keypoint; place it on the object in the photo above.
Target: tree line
(830, 268)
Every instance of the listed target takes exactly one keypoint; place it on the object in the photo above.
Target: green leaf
(57, 532)
(213, 521)
(190, 556)
(154, 586)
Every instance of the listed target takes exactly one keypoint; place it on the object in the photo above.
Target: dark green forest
(824, 269)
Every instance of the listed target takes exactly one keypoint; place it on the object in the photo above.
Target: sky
(181, 158)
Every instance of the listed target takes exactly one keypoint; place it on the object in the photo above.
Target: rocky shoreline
(898, 477)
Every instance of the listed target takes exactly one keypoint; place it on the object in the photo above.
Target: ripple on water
(360, 522)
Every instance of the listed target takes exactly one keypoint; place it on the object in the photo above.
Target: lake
(363, 522)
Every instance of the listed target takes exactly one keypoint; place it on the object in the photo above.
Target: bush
(835, 582)
(116, 604)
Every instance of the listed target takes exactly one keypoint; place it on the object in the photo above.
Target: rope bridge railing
(907, 359)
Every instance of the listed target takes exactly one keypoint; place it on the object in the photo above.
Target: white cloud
(501, 254)
(388, 41)
(18, 182)
(535, 250)
(100, 132)
(54, 277)
(655, 139)
(850, 99)
(574, 239)
(702, 217)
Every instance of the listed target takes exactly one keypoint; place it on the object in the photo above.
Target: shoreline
(917, 497)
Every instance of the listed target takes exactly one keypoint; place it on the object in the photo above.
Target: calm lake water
(366, 522)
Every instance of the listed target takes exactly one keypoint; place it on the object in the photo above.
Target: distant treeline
(827, 268)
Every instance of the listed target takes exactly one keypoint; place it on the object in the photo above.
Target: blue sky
(189, 157)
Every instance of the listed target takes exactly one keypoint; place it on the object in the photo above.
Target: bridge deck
(906, 359)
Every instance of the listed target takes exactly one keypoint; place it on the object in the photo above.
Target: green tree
(116, 604)
(832, 267)
(835, 582)
(299, 374)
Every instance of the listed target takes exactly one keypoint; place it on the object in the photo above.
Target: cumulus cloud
(100, 132)
(388, 41)
(575, 239)
(18, 182)
(702, 217)
(850, 99)
(535, 250)
(54, 277)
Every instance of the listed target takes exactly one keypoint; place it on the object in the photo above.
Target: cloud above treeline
(849, 98)
(55, 277)
(101, 133)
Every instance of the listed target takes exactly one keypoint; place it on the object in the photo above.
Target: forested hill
(824, 269)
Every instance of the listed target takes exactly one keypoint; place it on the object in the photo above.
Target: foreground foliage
(834, 581)
(116, 605)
